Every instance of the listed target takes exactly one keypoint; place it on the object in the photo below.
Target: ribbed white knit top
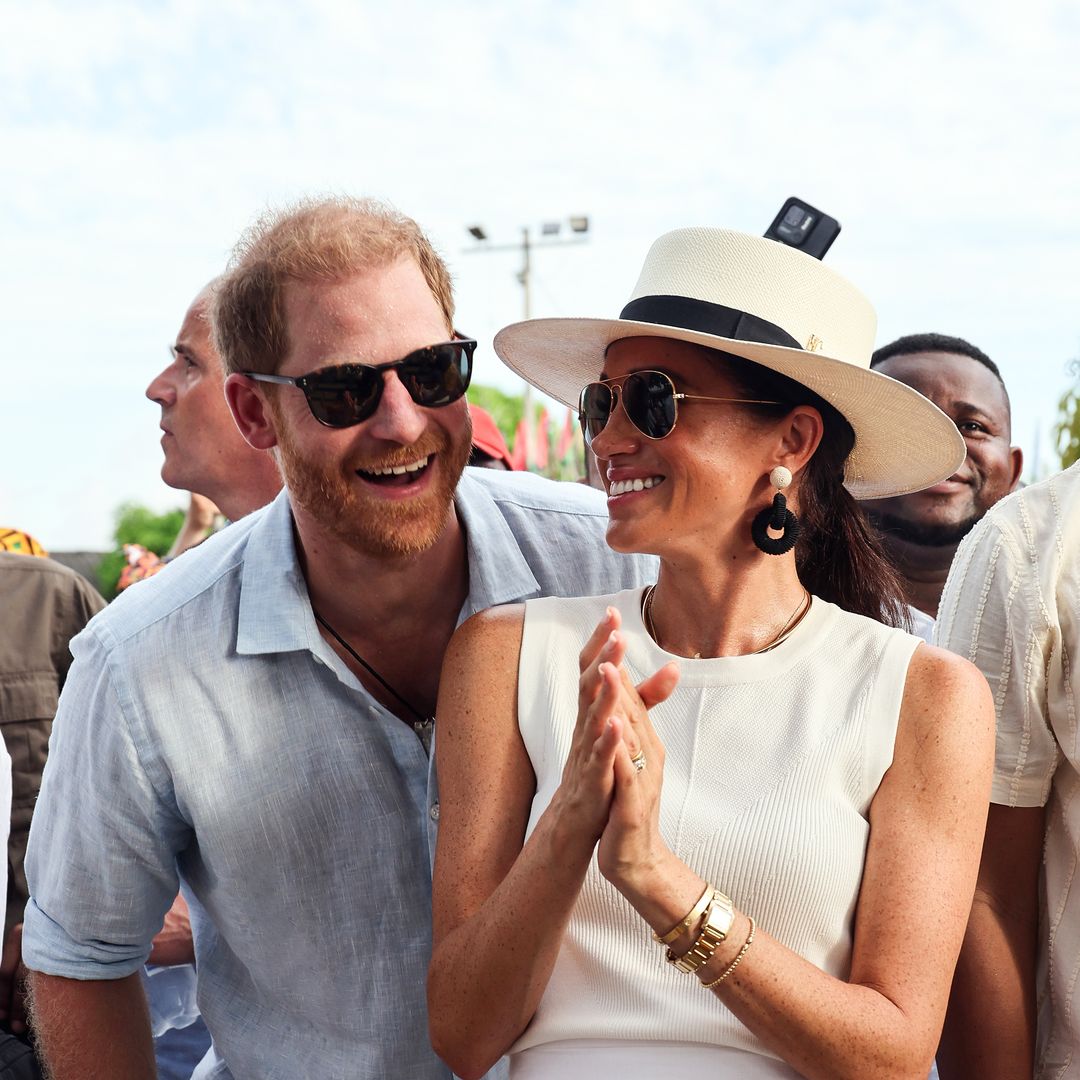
(772, 762)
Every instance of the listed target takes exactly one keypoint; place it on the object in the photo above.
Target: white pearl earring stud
(780, 477)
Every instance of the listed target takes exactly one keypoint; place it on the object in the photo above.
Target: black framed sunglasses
(649, 399)
(348, 394)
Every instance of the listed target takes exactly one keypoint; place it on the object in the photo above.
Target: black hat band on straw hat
(704, 317)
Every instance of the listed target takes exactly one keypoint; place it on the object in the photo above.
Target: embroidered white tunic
(1012, 606)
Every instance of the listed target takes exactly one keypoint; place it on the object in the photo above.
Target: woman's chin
(623, 537)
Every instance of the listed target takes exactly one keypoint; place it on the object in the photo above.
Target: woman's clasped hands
(614, 772)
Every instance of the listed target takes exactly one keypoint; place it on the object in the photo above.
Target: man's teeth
(399, 470)
(621, 487)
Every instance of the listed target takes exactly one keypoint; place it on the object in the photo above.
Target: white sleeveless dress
(772, 761)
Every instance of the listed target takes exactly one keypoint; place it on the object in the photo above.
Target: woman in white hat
(729, 825)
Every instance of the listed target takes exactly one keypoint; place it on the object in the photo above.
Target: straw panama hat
(764, 301)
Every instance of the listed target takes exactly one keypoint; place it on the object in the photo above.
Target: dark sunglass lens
(343, 396)
(438, 376)
(649, 400)
(594, 409)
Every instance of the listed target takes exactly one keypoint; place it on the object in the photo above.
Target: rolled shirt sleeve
(102, 877)
(994, 613)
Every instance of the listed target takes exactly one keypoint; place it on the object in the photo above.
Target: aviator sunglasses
(649, 399)
(348, 394)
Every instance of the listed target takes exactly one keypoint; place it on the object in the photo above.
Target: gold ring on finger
(638, 760)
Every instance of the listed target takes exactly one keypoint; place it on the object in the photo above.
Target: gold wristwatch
(719, 916)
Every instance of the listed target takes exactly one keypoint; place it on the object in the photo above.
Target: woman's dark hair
(839, 556)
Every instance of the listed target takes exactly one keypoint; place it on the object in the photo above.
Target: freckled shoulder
(948, 711)
(482, 658)
(494, 630)
(935, 672)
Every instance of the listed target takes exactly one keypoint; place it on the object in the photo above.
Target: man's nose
(398, 418)
(161, 389)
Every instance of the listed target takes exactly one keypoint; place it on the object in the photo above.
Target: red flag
(566, 436)
(517, 455)
(543, 440)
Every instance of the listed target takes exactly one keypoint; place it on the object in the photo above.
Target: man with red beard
(922, 530)
(256, 723)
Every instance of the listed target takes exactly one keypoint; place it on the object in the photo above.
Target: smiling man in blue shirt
(254, 723)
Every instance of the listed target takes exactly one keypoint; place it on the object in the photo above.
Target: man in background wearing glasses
(257, 721)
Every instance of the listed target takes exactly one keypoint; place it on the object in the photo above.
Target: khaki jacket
(43, 605)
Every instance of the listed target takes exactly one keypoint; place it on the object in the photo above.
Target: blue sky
(140, 139)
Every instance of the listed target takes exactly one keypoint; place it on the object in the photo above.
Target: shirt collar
(498, 572)
(274, 610)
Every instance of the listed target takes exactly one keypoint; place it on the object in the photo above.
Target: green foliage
(136, 524)
(506, 409)
(1067, 429)
(572, 465)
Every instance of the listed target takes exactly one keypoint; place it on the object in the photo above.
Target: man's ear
(250, 412)
(1016, 457)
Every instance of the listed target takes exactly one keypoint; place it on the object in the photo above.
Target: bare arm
(500, 909)
(927, 821)
(13, 983)
(990, 1026)
(93, 1030)
(173, 943)
(198, 521)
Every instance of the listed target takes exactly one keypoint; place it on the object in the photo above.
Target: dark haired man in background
(922, 530)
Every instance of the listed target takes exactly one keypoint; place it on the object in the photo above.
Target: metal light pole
(579, 226)
(526, 271)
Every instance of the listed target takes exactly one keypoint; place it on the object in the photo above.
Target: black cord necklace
(422, 725)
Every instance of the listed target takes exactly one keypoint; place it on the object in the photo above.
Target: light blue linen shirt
(207, 732)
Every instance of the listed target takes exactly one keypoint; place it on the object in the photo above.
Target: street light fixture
(549, 230)
(579, 227)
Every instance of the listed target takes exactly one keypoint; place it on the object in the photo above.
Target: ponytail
(839, 556)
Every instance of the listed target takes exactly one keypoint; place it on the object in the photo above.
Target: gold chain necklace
(786, 630)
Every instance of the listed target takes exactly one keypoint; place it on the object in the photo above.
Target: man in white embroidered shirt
(1012, 606)
(277, 764)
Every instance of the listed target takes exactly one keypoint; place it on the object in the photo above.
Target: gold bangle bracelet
(738, 959)
(719, 916)
(692, 917)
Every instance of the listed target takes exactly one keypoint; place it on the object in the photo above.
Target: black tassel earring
(776, 517)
